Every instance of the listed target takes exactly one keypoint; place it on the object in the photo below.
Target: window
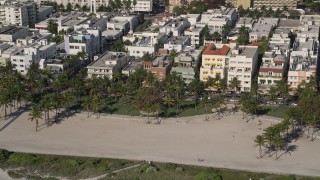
(76, 47)
(21, 60)
(71, 47)
(21, 65)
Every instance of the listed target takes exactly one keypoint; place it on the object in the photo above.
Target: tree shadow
(263, 111)
(61, 116)
(15, 115)
(288, 149)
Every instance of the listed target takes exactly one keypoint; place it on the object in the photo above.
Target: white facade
(194, 33)
(177, 43)
(33, 54)
(176, 26)
(20, 14)
(243, 64)
(143, 6)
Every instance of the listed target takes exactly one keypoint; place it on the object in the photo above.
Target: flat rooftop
(289, 23)
(212, 50)
(177, 40)
(9, 30)
(109, 56)
(134, 65)
(245, 20)
(249, 52)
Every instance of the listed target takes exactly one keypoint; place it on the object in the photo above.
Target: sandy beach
(4, 175)
(225, 143)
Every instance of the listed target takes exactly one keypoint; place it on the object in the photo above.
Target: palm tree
(196, 87)
(205, 101)
(269, 134)
(86, 105)
(283, 89)
(67, 98)
(219, 101)
(4, 102)
(278, 143)
(234, 85)
(45, 104)
(272, 93)
(169, 101)
(35, 115)
(259, 141)
(97, 104)
(225, 31)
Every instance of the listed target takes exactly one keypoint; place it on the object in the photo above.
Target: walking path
(225, 143)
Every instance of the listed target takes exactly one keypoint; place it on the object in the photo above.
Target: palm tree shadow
(61, 116)
(15, 116)
(288, 149)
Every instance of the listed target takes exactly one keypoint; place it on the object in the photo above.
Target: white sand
(4, 175)
(225, 143)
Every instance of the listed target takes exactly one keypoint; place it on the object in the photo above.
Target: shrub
(14, 175)
(22, 158)
(170, 166)
(4, 154)
(74, 162)
(179, 169)
(151, 169)
(207, 176)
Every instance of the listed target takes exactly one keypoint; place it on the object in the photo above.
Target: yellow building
(213, 62)
(236, 3)
(274, 4)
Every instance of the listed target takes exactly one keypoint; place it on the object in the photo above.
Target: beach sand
(225, 143)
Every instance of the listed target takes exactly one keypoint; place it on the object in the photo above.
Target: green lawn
(169, 171)
(59, 166)
(25, 165)
(275, 111)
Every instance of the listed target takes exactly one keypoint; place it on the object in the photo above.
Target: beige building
(274, 4)
(236, 3)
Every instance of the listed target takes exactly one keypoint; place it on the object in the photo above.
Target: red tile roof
(275, 70)
(210, 50)
(254, 44)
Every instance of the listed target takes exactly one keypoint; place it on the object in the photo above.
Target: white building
(303, 61)
(6, 50)
(133, 21)
(19, 13)
(246, 22)
(108, 64)
(142, 46)
(223, 12)
(176, 26)
(194, 33)
(87, 40)
(33, 53)
(262, 28)
(243, 62)
(272, 69)
(12, 33)
(143, 6)
(177, 43)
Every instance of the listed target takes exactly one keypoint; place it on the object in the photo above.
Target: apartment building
(246, 22)
(44, 12)
(275, 4)
(19, 13)
(186, 64)
(142, 46)
(154, 37)
(123, 26)
(12, 33)
(194, 32)
(214, 61)
(243, 63)
(272, 69)
(303, 61)
(236, 3)
(32, 53)
(223, 12)
(176, 26)
(133, 21)
(192, 18)
(65, 22)
(133, 65)
(108, 64)
(87, 40)
(160, 67)
(6, 50)
(141, 6)
(262, 28)
(177, 43)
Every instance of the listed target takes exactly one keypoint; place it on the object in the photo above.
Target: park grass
(52, 167)
(170, 171)
(25, 164)
(275, 111)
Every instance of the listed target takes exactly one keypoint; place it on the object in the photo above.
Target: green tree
(205, 101)
(234, 85)
(35, 115)
(196, 87)
(273, 93)
(147, 57)
(243, 39)
(177, 10)
(52, 27)
(283, 89)
(225, 31)
(86, 105)
(77, 7)
(259, 141)
(278, 143)
(69, 7)
(168, 101)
